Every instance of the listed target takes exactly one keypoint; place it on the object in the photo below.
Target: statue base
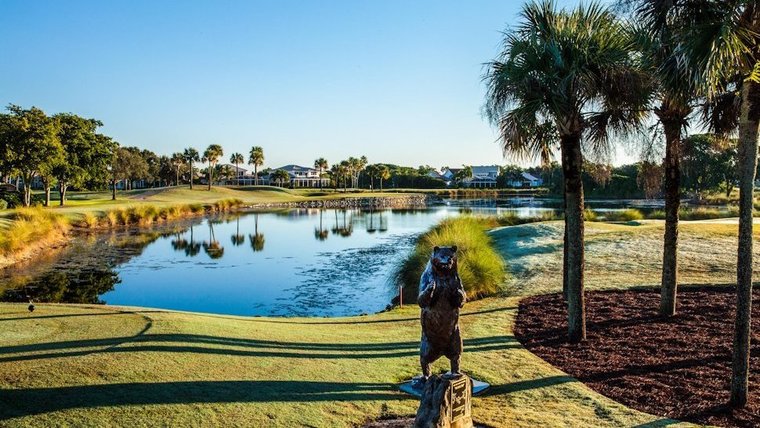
(446, 402)
(416, 386)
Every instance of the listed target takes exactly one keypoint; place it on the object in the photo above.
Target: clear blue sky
(397, 81)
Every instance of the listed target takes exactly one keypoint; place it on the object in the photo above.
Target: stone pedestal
(446, 402)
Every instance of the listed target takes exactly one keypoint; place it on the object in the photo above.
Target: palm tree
(464, 173)
(256, 159)
(372, 171)
(321, 233)
(280, 176)
(720, 39)
(237, 159)
(346, 171)
(384, 174)
(177, 160)
(212, 155)
(321, 166)
(662, 59)
(562, 76)
(191, 155)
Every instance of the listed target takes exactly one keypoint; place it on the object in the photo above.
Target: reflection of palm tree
(179, 243)
(213, 248)
(192, 249)
(320, 234)
(371, 227)
(344, 230)
(257, 239)
(237, 238)
(383, 223)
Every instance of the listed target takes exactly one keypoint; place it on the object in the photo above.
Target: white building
(483, 176)
(526, 180)
(301, 176)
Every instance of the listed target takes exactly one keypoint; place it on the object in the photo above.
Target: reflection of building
(301, 176)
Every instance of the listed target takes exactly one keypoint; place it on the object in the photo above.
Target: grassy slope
(92, 365)
(88, 365)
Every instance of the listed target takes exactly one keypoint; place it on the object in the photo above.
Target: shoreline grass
(481, 269)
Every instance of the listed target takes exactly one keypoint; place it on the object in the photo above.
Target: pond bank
(146, 214)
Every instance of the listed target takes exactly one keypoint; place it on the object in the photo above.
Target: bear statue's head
(444, 259)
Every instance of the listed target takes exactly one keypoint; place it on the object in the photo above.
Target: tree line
(569, 81)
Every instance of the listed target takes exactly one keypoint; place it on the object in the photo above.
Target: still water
(298, 262)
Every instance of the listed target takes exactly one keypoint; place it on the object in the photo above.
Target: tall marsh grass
(481, 268)
(31, 225)
(146, 215)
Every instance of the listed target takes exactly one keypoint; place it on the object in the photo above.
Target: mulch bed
(678, 368)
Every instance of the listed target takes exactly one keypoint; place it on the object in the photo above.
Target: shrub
(3, 204)
(590, 215)
(630, 214)
(481, 268)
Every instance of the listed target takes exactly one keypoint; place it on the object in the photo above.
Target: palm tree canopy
(213, 153)
(560, 73)
(256, 156)
(191, 155)
(237, 158)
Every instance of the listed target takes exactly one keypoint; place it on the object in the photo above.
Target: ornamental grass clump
(31, 225)
(481, 268)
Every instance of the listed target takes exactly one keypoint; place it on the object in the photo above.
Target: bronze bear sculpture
(441, 296)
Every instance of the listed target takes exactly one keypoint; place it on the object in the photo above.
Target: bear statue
(440, 298)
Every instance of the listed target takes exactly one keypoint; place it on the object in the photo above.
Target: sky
(397, 81)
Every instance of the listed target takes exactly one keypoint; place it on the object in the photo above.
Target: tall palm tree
(191, 155)
(721, 39)
(177, 160)
(321, 166)
(237, 159)
(372, 171)
(565, 77)
(661, 58)
(256, 159)
(384, 174)
(212, 155)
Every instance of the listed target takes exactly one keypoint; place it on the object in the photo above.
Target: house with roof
(483, 176)
(525, 180)
(301, 176)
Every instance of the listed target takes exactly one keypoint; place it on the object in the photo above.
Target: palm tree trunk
(177, 182)
(572, 167)
(210, 175)
(255, 175)
(748, 133)
(191, 176)
(564, 252)
(669, 285)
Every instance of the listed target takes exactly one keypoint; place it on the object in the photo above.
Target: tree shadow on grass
(35, 401)
(203, 344)
(526, 385)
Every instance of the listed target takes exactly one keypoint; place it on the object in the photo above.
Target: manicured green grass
(87, 366)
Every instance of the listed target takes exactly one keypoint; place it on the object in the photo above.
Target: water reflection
(212, 247)
(237, 238)
(320, 233)
(75, 287)
(344, 229)
(257, 239)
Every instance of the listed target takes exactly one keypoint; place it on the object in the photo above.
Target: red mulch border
(679, 368)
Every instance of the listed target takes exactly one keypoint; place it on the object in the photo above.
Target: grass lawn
(90, 365)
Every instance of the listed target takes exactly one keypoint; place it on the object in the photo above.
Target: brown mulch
(678, 368)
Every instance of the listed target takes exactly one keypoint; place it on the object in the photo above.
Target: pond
(294, 262)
